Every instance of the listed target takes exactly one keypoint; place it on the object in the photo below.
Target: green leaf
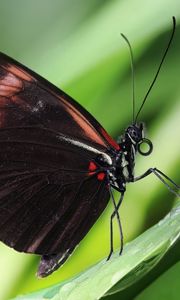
(108, 277)
(165, 287)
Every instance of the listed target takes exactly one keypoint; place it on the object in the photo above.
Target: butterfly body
(118, 165)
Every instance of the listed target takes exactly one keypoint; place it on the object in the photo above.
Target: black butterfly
(57, 166)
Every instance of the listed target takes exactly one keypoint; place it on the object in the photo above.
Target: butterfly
(58, 166)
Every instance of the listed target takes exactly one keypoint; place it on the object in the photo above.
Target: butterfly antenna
(132, 70)
(159, 68)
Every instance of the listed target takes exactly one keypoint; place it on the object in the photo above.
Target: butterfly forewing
(29, 100)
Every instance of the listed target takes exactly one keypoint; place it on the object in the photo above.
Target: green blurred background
(76, 45)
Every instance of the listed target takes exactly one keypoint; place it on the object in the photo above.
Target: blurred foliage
(77, 46)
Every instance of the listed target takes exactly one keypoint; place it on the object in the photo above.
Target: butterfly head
(134, 136)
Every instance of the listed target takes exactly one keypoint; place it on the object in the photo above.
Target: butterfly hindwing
(45, 216)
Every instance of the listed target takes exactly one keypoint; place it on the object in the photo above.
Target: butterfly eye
(145, 143)
(134, 134)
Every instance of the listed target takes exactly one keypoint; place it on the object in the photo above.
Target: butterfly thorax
(123, 162)
(122, 170)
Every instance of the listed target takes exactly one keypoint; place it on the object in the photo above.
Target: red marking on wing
(109, 139)
(92, 166)
(101, 176)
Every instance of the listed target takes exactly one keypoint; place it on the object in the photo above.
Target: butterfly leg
(160, 175)
(115, 213)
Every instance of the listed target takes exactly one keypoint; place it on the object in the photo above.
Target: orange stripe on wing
(84, 125)
(18, 72)
(109, 139)
(10, 85)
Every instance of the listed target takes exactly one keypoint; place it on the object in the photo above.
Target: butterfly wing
(48, 198)
(39, 103)
(51, 212)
